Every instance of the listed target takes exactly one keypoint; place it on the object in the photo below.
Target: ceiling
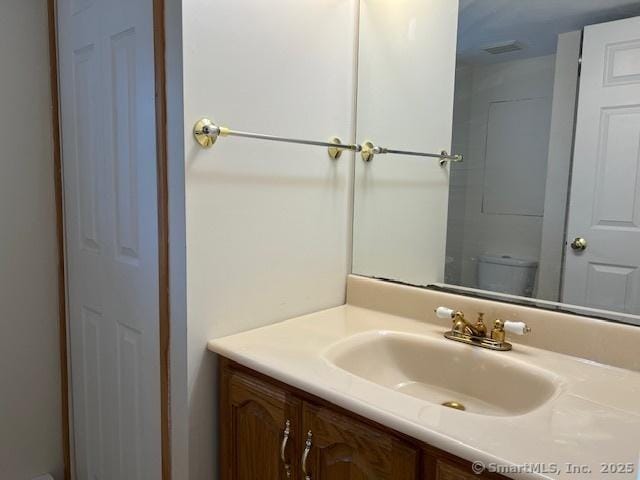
(533, 23)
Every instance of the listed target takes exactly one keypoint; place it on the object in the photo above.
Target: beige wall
(406, 66)
(267, 224)
(30, 430)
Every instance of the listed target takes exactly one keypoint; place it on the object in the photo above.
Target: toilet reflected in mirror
(506, 274)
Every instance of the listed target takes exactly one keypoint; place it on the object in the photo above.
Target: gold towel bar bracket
(370, 150)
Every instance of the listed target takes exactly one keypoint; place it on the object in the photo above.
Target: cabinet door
(346, 449)
(440, 466)
(254, 416)
(450, 471)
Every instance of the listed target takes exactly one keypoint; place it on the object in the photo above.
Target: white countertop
(593, 420)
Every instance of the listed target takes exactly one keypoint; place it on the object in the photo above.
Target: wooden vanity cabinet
(255, 412)
(254, 418)
(441, 466)
(346, 449)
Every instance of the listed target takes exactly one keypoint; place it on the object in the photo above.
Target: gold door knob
(579, 244)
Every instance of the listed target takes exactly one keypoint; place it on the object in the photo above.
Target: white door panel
(107, 113)
(605, 189)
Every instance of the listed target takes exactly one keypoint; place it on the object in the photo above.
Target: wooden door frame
(159, 49)
(58, 192)
(163, 232)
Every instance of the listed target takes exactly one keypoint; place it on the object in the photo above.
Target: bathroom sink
(444, 372)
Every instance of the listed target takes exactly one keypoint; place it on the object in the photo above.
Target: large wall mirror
(542, 98)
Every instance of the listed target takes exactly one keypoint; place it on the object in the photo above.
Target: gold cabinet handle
(305, 455)
(283, 447)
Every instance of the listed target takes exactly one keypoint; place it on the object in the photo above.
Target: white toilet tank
(507, 274)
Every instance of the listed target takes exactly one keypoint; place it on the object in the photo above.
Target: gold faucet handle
(459, 322)
(517, 328)
(446, 312)
(500, 329)
(497, 333)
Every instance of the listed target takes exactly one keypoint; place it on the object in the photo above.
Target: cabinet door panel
(447, 471)
(439, 466)
(346, 449)
(254, 417)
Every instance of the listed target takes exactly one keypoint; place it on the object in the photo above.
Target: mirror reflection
(546, 205)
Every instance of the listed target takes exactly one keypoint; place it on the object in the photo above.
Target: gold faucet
(476, 334)
(461, 325)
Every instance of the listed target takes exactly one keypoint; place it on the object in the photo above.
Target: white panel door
(605, 189)
(109, 162)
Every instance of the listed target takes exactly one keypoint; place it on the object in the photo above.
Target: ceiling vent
(504, 47)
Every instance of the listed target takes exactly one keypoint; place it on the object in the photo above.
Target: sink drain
(454, 405)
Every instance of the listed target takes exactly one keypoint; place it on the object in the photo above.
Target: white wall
(405, 101)
(30, 415)
(267, 224)
(515, 233)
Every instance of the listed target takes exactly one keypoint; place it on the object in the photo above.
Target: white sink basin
(439, 370)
